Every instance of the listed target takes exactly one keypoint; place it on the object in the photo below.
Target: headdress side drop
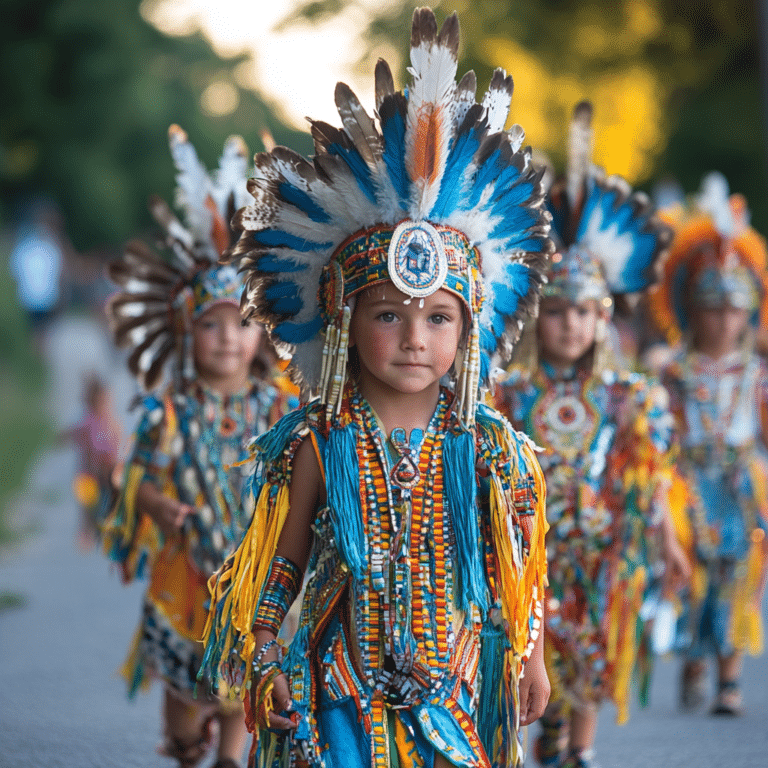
(716, 258)
(160, 295)
(432, 194)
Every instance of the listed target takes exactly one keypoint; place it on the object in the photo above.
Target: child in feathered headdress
(393, 265)
(713, 300)
(605, 437)
(179, 512)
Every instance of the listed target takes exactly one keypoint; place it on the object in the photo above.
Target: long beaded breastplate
(402, 607)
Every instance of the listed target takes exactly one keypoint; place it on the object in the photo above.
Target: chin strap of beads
(282, 587)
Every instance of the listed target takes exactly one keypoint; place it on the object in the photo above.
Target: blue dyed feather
(271, 262)
(301, 200)
(393, 131)
(623, 222)
(460, 154)
(485, 175)
(359, 168)
(276, 238)
(284, 298)
(487, 339)
(296, 333)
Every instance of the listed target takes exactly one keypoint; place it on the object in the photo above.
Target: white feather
(496, 102)
(433, 68)
(193, 185)
(231, 175)
(516, 136)
(714, 199)
(613, 249)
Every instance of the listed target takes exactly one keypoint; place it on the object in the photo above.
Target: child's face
(566, 330)
(222, 347)
(720, 329)
(405, 348)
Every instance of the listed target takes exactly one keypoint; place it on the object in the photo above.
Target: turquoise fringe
(490, 669)
(343, 484)
(458, 465)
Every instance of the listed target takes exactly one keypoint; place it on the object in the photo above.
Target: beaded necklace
(716, 425)
(209, 423)
(406, 530)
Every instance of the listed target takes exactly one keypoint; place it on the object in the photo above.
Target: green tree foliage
(88, 92)
(686, 72)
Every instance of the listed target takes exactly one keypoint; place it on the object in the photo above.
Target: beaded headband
(418, 257)
(732, 285)
(576, 276)
(221, 285)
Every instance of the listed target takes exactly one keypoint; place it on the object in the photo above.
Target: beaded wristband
(282, 587)
(256, 663)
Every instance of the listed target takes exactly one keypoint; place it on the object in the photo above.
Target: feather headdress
(608, 238)
(716, 259)
(430, 193)
(161, 294)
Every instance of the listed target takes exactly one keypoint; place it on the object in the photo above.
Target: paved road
(61, 703)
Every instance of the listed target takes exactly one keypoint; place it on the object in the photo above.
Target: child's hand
(678, 569)
(282, 705)
(169, 515)
(534, 690)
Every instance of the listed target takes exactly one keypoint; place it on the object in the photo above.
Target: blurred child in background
(605, 437)
(712, 301)
(179, 512)
(97, 437)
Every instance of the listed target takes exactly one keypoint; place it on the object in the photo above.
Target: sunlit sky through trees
(298, 65)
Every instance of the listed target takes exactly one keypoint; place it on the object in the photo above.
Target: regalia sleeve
(131, 538)
(517, 507)
(237, 586)
(517, 502)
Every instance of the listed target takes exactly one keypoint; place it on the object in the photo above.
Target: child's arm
(677, 571)
(534, 685)
(167, 513)
(294, 545)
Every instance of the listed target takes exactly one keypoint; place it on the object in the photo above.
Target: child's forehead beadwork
(419, 257)
(416, 259)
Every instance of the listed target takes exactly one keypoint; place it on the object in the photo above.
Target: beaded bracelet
(256, 663)
(281, 588)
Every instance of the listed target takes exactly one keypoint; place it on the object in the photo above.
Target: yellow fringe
(622, 638)
(747, 624)
(678, 500)
(243, 576)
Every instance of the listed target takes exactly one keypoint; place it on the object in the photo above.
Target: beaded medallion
(416, 260)
(405, 473)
